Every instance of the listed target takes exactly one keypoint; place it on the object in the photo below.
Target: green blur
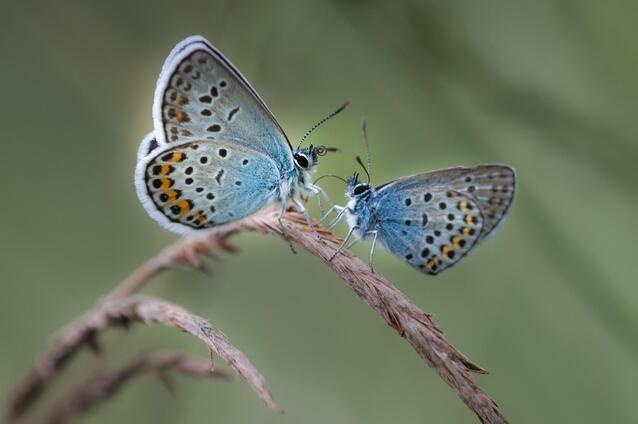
(549, 306)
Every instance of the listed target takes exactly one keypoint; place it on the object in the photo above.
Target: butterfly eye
(301, 161)
(360, 189)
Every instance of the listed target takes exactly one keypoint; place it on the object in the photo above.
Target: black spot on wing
(219, 176)
(232, 113)
(152, 145)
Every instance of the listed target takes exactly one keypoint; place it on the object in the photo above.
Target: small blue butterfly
(429, 220)
(216, 154)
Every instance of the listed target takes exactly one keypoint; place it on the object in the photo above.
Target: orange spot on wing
(184, 207)
(181, 116)
(172, 195)
(199, 218)
(433, 264)
(166, 169)
(177, 157)
(166, 184)
(470, 219)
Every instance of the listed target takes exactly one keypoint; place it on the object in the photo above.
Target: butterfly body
(217, 154)
(360, 214)
(431, 220)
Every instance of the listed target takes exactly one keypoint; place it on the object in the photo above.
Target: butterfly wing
(200, 95)
(434, 219)
(202, 184)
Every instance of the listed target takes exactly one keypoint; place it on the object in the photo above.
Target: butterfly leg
(374, 243)
(297, 204)
(316, 190)
(284, 233)
(320, 204)
(327, 214)
(345, 244)
(337, 218)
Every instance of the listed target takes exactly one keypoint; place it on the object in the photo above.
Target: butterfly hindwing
(147, 145)
(432, 220)
(200, 95)
(202, 184)
(491, 186)
(430, 229)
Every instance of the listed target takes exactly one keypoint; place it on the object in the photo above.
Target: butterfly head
(306, 158)
(356, 189)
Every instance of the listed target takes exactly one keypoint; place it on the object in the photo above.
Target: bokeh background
(549, 305)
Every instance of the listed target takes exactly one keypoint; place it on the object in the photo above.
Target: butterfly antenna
(315, 126)
(364, 130)
(360, 162)
(330, 175)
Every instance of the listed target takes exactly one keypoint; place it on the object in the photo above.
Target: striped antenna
(364, 130)
(315, 126)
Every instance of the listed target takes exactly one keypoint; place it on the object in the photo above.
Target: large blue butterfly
(216, 154)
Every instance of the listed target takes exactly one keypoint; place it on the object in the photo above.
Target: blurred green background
(549, 305)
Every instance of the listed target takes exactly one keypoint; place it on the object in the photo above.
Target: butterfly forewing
(197, 185)
(432, 220)
(201, 96)
(216, 154)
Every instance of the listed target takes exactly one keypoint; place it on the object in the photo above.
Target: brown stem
(102, 386)
(121, 312)
(182, 252)
(394, 307)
